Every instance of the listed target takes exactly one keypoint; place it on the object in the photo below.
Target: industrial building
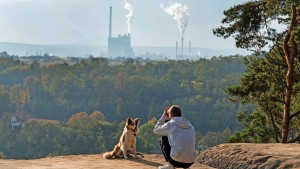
(119, 46)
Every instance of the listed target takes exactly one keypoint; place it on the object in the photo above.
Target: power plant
(119, 46)
(182, 55)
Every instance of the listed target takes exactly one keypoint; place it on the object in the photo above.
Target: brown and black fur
(127, 143)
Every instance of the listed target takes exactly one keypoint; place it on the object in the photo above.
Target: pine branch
(294, 115)
(295, 139)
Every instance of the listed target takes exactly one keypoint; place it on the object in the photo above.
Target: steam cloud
(130, 9)
(199, 53)
(179, 13)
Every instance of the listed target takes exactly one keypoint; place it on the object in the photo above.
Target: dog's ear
(129, 119)
(137, 121)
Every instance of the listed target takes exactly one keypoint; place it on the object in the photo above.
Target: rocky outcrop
(250, 156)
(96, 161)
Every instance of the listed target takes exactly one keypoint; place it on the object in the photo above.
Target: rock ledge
(245, 155)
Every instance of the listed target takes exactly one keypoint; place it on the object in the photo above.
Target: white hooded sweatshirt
(181, 136)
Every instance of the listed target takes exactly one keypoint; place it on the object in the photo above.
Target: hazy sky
(86, 22)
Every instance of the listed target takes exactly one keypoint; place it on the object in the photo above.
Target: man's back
(181, 136)
(178, 139)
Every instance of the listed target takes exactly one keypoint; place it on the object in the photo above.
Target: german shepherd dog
(127, 143)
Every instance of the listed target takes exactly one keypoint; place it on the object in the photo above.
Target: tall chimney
(182, 47)
(110, 20)
(176, 49)
(190, 48)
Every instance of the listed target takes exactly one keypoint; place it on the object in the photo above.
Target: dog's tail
(112, 154)
(108, 155)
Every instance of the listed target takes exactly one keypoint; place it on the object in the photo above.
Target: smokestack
(190, 48)
(176, 49)
(182, 46)
(110, 20)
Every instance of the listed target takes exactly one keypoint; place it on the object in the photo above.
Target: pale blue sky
(86, 22)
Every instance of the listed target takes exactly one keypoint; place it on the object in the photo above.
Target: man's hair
(175, 111)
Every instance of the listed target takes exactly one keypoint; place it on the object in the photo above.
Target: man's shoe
(167, 166)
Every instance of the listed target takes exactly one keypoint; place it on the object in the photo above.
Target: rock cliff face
(246, 156)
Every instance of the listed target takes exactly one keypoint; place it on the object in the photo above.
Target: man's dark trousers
(166, 150)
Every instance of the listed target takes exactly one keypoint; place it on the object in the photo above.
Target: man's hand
(166, 112)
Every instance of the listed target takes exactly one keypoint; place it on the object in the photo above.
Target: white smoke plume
(130, 10)
(179, 13)
(199, 53)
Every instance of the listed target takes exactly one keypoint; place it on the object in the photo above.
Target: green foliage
(214, 138)
(112, 92)
(123, 90)
(148, 141)
(271, 82)
(42, 138)
(250, 23)
(257, 129)
(263, 85)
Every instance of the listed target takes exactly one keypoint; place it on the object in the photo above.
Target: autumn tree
(250, 24)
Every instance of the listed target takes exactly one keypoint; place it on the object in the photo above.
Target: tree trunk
(289, 57)
(274, 126)
(287, 106)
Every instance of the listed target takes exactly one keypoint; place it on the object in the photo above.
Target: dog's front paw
(125, 157)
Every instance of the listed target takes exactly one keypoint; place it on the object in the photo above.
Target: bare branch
(295, 139)
(278, 101)
(294, 115)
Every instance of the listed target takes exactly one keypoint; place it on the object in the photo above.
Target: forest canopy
(93, 96)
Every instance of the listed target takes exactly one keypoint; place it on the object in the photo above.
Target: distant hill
(65, 50)
(22, 49)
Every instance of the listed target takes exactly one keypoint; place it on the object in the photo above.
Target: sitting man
(178, 139)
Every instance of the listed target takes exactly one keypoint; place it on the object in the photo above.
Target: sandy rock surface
(89, 162)
(248, 156)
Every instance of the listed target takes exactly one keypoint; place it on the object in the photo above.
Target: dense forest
(81, 107)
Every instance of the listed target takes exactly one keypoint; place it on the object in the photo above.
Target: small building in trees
(18, 118)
